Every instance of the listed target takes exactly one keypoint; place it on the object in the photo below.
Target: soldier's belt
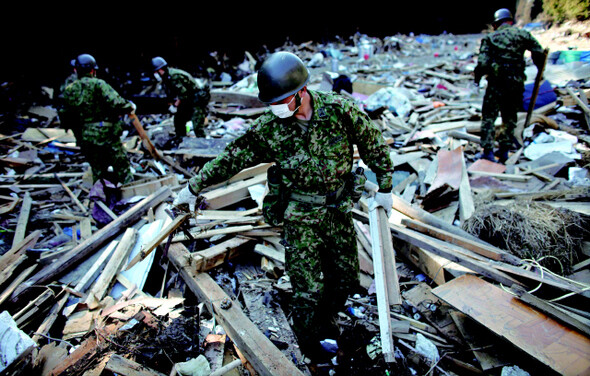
(327, 199)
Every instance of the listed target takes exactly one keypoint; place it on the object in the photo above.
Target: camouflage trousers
(501, 97)
(322, 263)
(101, 146)
(194, 109)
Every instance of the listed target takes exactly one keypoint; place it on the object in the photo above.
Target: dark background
(39, 41)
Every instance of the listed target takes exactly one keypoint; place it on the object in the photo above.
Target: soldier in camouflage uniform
(309, 135)
(189, 97)
(501, 58)
(91, 108)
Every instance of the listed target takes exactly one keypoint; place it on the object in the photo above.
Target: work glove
(133, 107)
(384, 200)
(185, 196)
(172, 109)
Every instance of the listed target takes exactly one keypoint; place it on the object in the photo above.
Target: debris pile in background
(104, 278)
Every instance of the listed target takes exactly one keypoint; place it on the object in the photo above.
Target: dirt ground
(569, 35)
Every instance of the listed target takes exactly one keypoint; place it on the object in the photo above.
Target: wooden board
(450, 169)
(145, 187)
(553, 344)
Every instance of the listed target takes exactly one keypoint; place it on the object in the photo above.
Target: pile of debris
(490, 271)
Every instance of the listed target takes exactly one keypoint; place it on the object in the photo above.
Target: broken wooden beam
(386, 283)
(88, 246)
(264, 356)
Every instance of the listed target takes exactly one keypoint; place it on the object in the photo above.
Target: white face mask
(282, 110)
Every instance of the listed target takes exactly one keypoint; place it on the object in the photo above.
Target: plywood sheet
(450, 169)
(564, 350)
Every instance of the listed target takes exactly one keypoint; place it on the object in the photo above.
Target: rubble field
(482, 269)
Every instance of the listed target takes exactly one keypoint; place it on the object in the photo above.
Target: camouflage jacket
(180, 84)
(313, 161)
(90, 99)
(501, 53)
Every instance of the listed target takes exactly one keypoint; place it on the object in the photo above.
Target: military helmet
(502, 14)
(158, 63)
(281, 75)
(85, 61)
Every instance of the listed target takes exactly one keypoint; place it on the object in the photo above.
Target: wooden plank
(511, 177)
(558, 347)
(214, 256)
(88, 246)
(466, 205)
(126, 367)
(23, 219)
(266, 359)
(479, 248)
(382, 286)
(422, 215)
(113, 266)
(232, 193)
(203, 234)
(385, 244)
(72, 195)
(145, 187)
(172, 226)
(270, 252)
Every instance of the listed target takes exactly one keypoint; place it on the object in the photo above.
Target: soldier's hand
(384, 200)
(185, 196)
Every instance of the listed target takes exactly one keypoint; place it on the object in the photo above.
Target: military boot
(487, 154)
(502, 154)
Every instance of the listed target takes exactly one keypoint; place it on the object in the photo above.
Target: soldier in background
(92, 109)
(189, 97)
(501, 59)
(309, 135)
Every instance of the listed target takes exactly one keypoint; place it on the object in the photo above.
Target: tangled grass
(531, 230)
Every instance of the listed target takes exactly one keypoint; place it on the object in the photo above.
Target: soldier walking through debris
(501, 59)
(310, 136)
(189, 97)
(92, 109)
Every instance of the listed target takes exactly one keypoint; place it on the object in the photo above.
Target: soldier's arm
(536, 50)
(115, 101)
(245, 151)
(483, 60)
(372, 148)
